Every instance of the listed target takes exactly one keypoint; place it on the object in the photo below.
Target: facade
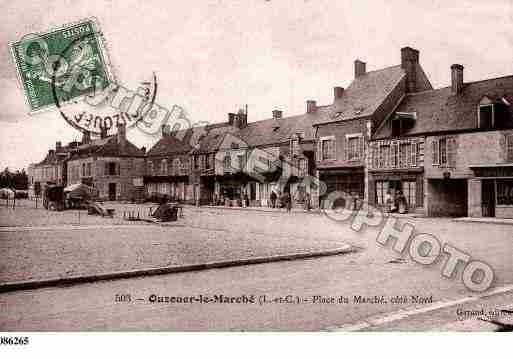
(464, 143)
(449, 151)
(344, 134)
(111, 164)
(52, 170)
(167, 169)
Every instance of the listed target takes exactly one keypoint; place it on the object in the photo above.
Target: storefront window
(505, 192)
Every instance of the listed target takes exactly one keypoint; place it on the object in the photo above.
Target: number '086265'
(14, 340)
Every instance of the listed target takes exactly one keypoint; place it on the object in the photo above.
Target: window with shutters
(150, 168)
(404, 154)
(509, 148)
(327, 148)
(354, 147)
(442, 151)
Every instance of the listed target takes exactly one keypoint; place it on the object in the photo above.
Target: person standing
(288, 201)
(272, 197)
(307, 202)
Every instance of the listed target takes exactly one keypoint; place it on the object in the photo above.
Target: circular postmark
(102, 104)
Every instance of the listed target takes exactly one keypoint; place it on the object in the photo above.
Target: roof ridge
(464, 84)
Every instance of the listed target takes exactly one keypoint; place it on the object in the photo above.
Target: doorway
(112, 191)
(488, 203)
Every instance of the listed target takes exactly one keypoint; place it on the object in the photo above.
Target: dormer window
(494, 114)
(401, 122)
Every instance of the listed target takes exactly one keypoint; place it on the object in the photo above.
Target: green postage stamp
(61, 65)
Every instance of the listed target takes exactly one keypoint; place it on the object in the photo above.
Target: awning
(493, 170)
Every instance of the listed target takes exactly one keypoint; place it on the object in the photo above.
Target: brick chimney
(337, 92)
(121, 135)
(359, 68)
(311, 106)
(456, 78)
(58, 146)
(231, 118)
(241, 119)
(86, 137)
(409, 62)
(277, 114)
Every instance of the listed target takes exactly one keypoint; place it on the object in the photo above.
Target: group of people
(285, 200)
(396, 202)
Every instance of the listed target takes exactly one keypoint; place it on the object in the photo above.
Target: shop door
(488, 203)
(112, 191)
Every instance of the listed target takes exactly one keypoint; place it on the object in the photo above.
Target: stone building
(355, 115)
(464, 142)
(51, 170)
(111, 164)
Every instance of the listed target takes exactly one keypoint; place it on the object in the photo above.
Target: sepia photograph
(255, 166)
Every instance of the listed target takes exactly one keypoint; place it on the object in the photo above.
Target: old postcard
(256, 165)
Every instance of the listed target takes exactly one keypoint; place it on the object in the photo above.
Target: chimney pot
(231, 119)
(277, 114)
(359, 68)
(338, 92)
(456, 78)
(58, 146)
(409, 61)
(311, 106)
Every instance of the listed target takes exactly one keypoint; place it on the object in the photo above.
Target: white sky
(213, 56)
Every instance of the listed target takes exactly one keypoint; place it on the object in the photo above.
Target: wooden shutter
(435, 152)
(451, 152)
(361, 155)
(413, 154)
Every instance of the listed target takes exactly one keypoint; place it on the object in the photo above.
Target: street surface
(319, 283)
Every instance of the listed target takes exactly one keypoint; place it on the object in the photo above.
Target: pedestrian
(307, 202)
(389, 202)
(272, 197)
(246, 200)
(287, 200)
(402, 207)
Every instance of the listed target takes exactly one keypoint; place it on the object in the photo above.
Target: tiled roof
(107, 147)
(168, 145)
(272, 131)
(53, 157)
(201, 138)
(366, 93)
(259, 133)
(441, 110)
